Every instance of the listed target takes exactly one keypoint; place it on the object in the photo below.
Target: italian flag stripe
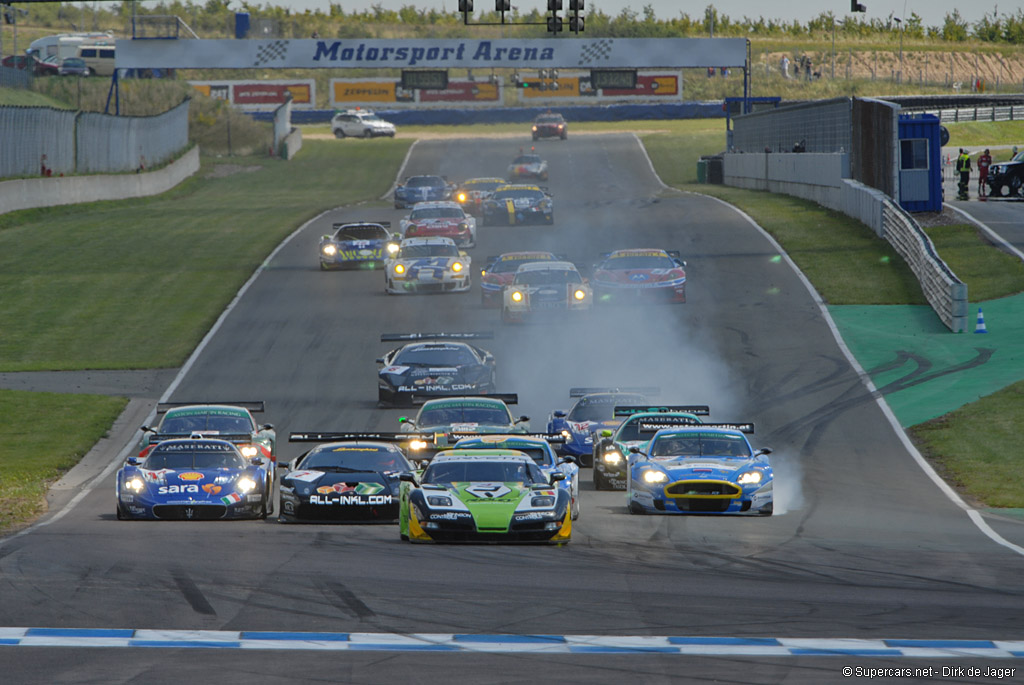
(233, 498)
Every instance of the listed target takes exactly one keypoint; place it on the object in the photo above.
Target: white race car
(427, 265)
(540, 287)
(528, 166)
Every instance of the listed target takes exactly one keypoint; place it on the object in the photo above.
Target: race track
(863, 544)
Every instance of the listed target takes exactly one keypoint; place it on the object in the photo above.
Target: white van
(99, 58)
(65, 45)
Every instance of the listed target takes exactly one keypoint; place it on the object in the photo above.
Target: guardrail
(961, 114)
(819, 178)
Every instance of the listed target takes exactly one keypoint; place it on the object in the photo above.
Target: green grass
(42, 435)
(977, 447)
(106, 296)
(989, 273)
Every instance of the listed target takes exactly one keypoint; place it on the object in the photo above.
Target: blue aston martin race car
(705, 469)
(193, 479)
(421, 189)
(591, 414)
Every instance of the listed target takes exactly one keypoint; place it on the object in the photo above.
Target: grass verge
(42, 435)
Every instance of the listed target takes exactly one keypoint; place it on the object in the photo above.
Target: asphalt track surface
(863, 544)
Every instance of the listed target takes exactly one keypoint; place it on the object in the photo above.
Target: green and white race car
(611, 448)
(487, 495)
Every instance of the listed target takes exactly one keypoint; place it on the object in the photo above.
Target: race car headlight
(439, 501)
(655, 476)
(135, 484)
(457, 267)
(462, 197)
(613, 458)
(417, 445)
(246, 484)
(546, 501)
(249, 451)
(463, 226)
(749, 478)
(330, 250)
(534, 128)
(517, 296)
(580, 295)
(399, 269)
(392, 248)
(566, 434)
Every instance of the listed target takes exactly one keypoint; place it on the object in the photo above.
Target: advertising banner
(575, 87)
(386, 93)
(261, 95)
(428, 53)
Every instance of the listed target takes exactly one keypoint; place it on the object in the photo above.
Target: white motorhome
(65, 44)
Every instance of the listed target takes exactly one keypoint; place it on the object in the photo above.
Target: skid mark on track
(193, 595)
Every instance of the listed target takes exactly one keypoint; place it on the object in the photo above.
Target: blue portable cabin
(920, 159)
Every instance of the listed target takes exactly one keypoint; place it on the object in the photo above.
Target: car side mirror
(380, 360)
(680, 262)
(559, 414)
(258, 461)
(569, 459)
(407, 477)
(133, 461)
(635, 450)
(763, 450)
(267, 427)
(557, 476)
(147, 429)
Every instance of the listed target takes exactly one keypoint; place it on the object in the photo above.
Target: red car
(441, 219)
(501, 271)
(550, 125)
(636, 275)
(29, 63)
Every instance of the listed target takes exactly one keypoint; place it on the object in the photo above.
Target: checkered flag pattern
(273, 51)
(596, 51)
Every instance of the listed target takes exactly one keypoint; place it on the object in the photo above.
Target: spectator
(784, 66)
(984, 162)
(963, 167)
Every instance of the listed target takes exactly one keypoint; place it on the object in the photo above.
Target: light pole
(899, 78)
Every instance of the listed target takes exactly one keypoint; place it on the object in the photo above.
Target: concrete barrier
(67, 190)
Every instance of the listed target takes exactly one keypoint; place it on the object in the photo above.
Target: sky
(932, 13)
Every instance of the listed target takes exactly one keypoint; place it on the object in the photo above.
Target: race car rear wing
(646, 427)
(384, 224)
(470, 335)
(236, 438)
(639, 390)
(444, 439)
(630, 409)
(255, 407)
(506, 397)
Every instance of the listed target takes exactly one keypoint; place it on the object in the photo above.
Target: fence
(52, 142)
(15, 78)
(822, 179)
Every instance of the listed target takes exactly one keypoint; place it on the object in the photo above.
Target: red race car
(440, 219)
(652, 275)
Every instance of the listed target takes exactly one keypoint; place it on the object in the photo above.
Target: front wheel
(338, 133)
(635, 508)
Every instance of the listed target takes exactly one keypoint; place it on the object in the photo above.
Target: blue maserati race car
(611, 447)
(706, 469)
(592, 413)
(193, 479)
(421, 189)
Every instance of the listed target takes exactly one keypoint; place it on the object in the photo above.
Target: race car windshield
(548, 277)
(484, 185)
(443, 416)
(438, 213)
(484, 472)
(361, 233)
(185, 459)
(220, 423)
(700, 445)
(355, 458)
(448, 355)
(601, 408)
(421, 181)
(515, 194)
(504, 266)
(550, 120)
(639, 262)
(527, 159)
(431, 250)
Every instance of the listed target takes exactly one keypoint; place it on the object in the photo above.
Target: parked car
(1007, 178)
(73, 66)
(29, 63)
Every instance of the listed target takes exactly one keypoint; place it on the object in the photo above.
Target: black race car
(433, 365)
(342, 481)
(519, 204)
(1006, 179)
